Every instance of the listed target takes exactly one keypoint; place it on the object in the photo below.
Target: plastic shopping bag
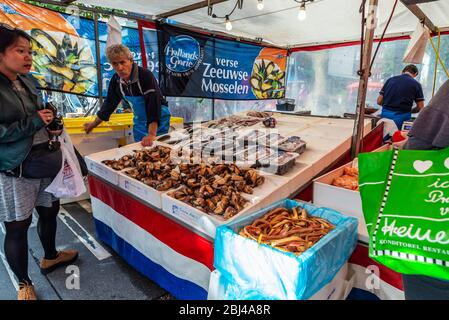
(405, 196)
(69, 181)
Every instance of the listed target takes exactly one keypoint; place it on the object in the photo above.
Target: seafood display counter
(164, 223)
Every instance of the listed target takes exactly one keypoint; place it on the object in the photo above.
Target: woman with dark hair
(23, 125)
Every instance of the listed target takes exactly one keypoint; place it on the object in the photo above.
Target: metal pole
(97, 51)
(359, 123)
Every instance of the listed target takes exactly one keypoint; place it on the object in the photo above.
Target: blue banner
(64, 53)
(195, 65)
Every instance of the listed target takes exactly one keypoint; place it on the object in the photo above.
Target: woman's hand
(55, 133)
(148, 140)
(46, 115)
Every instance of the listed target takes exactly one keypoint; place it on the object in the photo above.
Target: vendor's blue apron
(397, 116)
(140, 128)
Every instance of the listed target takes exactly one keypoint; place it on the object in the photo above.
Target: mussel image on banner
(62, 58)
(268, 75)
(62, 63)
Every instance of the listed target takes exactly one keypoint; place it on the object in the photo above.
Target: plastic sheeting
(327, 21)
(253, 271)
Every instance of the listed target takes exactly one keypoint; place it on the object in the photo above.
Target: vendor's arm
(152, 130)
(380, 99)
(419, 99)
(109, 105)
(152, 96)
(419, 106)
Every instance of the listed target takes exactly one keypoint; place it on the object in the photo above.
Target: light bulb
(228, 24)
(302, 12)
(260, 5)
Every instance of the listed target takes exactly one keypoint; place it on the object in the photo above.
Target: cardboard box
(346, 201)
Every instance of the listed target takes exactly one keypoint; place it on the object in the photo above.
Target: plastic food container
(293, 144)
(251, 157)
(279, 162)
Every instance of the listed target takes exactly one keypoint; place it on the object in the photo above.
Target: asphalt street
(98, 274)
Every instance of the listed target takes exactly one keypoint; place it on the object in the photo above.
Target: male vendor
(398, 94)
(138, 87)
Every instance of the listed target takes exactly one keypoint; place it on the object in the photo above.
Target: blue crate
(257, 271)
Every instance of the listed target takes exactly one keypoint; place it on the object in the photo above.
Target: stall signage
(405, 199)
(64, 55)
(196, 65)
(182, 55)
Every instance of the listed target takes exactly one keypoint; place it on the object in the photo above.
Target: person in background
(23, 122)
(398, 95)
(137, 87)
(430, 131)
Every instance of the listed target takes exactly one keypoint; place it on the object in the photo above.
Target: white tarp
(327, 20)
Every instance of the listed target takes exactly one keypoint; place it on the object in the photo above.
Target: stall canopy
(328, 21)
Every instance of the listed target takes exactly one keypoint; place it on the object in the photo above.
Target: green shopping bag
(405, 200)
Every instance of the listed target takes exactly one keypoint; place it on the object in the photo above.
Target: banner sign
(196, 65)
(405, 199)
(64, 54)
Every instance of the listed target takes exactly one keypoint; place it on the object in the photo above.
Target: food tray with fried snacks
(261, 267)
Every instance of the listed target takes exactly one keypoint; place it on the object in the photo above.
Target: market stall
(171, 242)
(163, 216)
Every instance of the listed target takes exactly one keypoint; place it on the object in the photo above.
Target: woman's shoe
(63, 258)
(26, 292)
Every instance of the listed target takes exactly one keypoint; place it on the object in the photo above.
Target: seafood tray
(140, 189)
(293, 144)
(233, 122)
(174, 137)
(218, 145)
(95, 165)
(196, 218)
(282, 272)
(212, 195)
(260, 137)
(279, 163)
(252, 155)
(259, 114)
(349, 179)
(291, 230)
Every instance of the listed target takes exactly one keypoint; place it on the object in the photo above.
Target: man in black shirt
(398, 95)
(137, 87)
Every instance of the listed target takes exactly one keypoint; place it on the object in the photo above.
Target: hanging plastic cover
(417, 45)
(254, 272)
(404, 199)
(114, 32)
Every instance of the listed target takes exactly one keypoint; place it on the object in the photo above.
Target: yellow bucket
(117, 121)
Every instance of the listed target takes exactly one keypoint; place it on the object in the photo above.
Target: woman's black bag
(41, 162)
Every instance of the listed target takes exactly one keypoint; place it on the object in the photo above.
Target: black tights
(16, 240)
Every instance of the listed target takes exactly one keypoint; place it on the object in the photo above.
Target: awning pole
(97, 52)
(370, 26)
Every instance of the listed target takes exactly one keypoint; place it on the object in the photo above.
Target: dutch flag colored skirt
(174, 257)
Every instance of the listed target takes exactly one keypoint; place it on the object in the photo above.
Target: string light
(228, 24)
(260, 5)
(302, 12)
